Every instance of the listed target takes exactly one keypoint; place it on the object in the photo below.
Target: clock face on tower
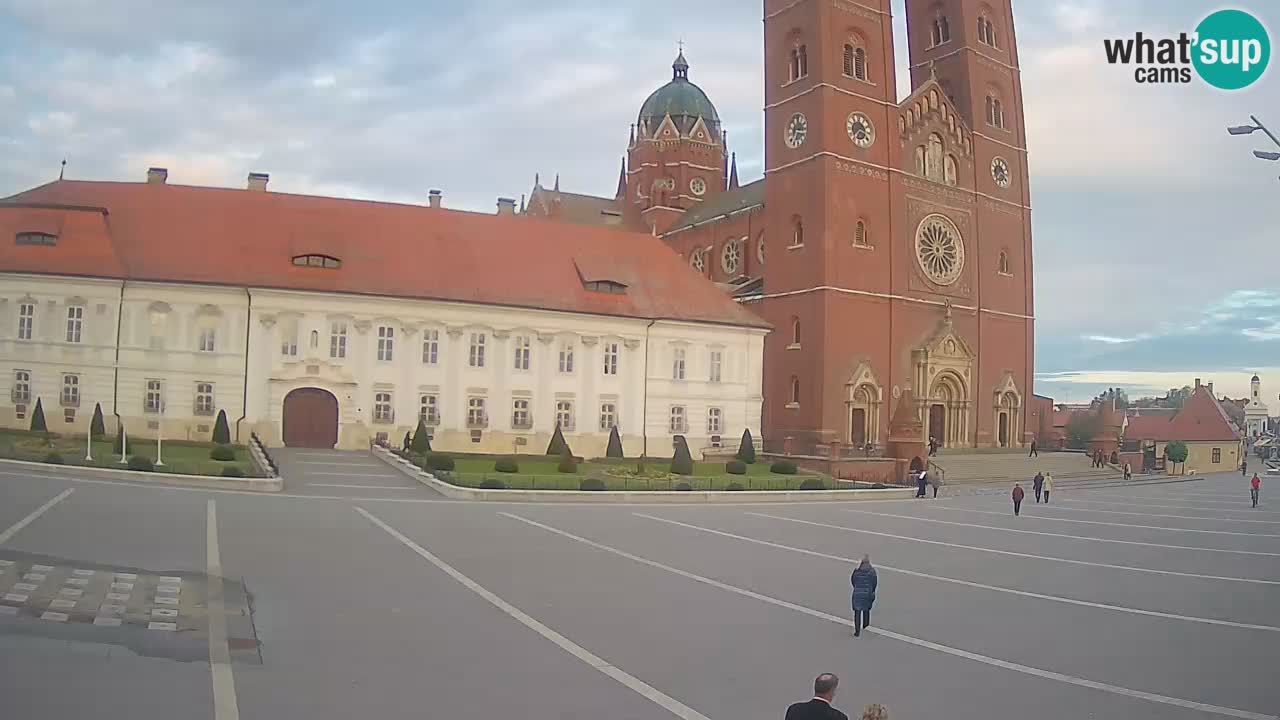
(860, 130)
(1000, 172)
(796, 132)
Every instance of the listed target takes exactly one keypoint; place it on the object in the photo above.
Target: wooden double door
(310, 419)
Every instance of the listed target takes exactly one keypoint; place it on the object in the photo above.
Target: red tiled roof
(1201, 419)
(1147, 427)
(248, 238)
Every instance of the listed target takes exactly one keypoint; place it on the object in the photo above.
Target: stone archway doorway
(1003, 430)
(310, 419)
(938, 423)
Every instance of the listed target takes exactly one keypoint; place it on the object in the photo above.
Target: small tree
(221, 433)
(1081, 429)
(37, 419)
(97, 427)
(681, 461)
(558, 446)
(747, 450)
(615, 444)
(1176, 452)
(420, 443)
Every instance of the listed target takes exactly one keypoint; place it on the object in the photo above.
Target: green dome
(682, 100)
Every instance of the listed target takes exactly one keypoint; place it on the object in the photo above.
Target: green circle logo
(1232, 49)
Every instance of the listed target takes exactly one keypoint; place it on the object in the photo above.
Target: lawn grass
(180, 456)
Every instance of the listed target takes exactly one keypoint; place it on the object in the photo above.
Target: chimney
(506, 206)
(157, 176)
(258, 182)
(434, 197)
(1211, 390)
(1197, 383)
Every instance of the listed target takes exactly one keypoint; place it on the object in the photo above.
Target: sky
(1155, 245)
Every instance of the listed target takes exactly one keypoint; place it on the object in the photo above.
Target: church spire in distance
(733, 172)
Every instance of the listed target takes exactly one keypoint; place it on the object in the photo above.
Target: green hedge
(141, 463)
(735, 467)
(506, 465)
(222, 453)
(783, 467)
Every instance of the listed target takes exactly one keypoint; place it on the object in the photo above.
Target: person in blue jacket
(864, 594)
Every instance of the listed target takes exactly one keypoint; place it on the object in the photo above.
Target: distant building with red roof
(1213, 441)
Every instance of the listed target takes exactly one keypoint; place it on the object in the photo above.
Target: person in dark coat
(1037, 484)
(864, 582)
(1244, 468)
(1018, 494)
(819, 708)
(1035, 451)
(921, 480)
(407, 442)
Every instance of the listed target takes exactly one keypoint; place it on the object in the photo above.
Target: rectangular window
(75, 323)
(204, 399)
(338, 340)
(677, 363)
(523, 350)
(564, 414)
(714, 416)
(477, 417)
(430, 347)
(208, 337)
(21, 387)
(679, 424)
(520, 418)
(429, 409)
(288, 339)
(611, 358)
(382, 412)
(717, 362)
(386, 343)
(608, 416)
(566, 358)
(69, 415)
(475, 357)
(153, 401)
(26, 320)
(1217, 455)
(71, 391)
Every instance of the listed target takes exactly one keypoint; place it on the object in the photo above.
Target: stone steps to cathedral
(992, 466)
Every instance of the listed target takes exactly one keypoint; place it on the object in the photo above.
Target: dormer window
(35, 238)
(317, 261)
(612, 287)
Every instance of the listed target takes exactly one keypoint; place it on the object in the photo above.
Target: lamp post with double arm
(1250, 129)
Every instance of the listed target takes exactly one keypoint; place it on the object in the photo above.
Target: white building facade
(1256, 414)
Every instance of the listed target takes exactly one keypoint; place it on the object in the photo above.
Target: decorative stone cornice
(454, 331)
(590, 340)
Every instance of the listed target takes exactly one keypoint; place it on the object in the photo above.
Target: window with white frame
(475, 358)
(429, 409)
(714, 421)
(70, 390)
(288, 338)
(26, 320)
(204, 399)
(611, 358)
(382, 412)
(520, 417)
(338, 339)
(386, 343)
(430, 347)
(153, 401)
(566, 357)
(608, 416)
(160, 324)
(21, 387)
(208, 339)
(564, 414)
(716, 365)
(75, 323)
(679, 422)
(524, 349)
(477, 416)
(677, 363)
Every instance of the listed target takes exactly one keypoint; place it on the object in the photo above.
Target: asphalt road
(357, 593)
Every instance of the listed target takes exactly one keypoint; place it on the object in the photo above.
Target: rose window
(732, 255)
(939, 250)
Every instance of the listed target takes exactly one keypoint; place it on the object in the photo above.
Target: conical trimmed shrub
(97, 427)
(615, 444)
(747, 450)
(421, 442)
(558, 445)
(37, 418)
(682, 461)
(221, 433)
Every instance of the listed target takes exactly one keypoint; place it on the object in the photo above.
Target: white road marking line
(111, 608)
(16, 597)
(166, 601)
(118, 597)
(164, 612)
(933, 506)
(61, 604)
(337, 464)
(1062, 535)
(71, 592)
(7, 535)
(1131, 568)
(384, 476)
(364, 487)
(35, 577)
(53, 616)
(675, 707)
(107, 621)
(83, 573)
(124, 576)
(79, 581)
(225, 705)
(1197, 502)
(1160, 515)
(42, 568)
(171, 627)
(25, 587)
(1244, 507)
(169, 580)
(967, 583)
(956, 652)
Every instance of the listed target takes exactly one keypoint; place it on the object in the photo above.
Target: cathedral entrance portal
(938, 422)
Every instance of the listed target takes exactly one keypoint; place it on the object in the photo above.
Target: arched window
(860, 64)
(933, 99)
(949, 170)
(933, 158)
(1004, 263)
(797, 232)
(860, 234)
(920, 160)
(795, 390)
(804, 61)
(848, 60)
(987, 31)
(944, 28)
(795, 331)
(793, 69)
(995, 112)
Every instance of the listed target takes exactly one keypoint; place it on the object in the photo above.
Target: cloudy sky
(1156, 246)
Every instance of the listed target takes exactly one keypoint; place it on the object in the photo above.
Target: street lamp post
(160, 438)
(1250, 129)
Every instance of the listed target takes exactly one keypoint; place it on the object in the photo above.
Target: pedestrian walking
(921, 481)
(1034, 451)
(1037, 485)
(935, 480)
(863, 581)
(819, 708)
(933, 446)
(1255, 487)
(1128, 471)
(407, 442)
(1018, 494)
(1048, 485)
(1244, 468)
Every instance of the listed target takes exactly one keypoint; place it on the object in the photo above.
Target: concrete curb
(654, 496)
(265, 485)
